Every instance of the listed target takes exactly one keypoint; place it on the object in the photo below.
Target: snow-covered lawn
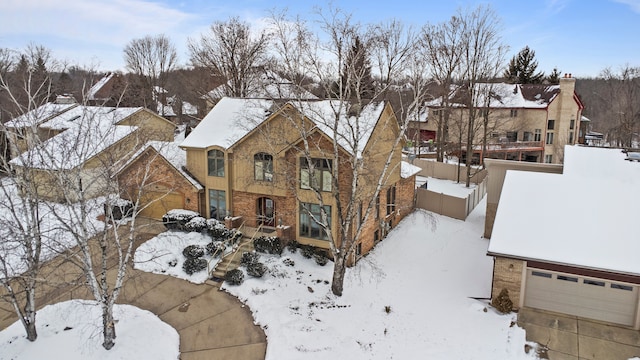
(72, 330)
(412, 297)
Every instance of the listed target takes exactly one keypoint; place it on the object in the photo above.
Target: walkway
(212, 324)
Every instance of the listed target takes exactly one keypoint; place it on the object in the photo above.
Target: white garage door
(587, 297)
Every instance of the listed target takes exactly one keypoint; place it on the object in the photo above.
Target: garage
(161, 202)
(593, 298)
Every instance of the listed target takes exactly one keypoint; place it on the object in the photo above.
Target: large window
(537, 136)
(310, 228)
(549, 138)
(215, 162)
(316, 174)
(217, 204)
(263, 167)
(551, 124)
(391, 199)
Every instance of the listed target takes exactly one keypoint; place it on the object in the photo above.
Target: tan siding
(507, 274)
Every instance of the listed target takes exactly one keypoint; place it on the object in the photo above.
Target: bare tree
(230, 50)
(353, 186)
(482, 60)
(152, 58)
(621, 98)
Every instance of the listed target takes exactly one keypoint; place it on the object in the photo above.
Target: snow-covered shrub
(197, 224)
(173, 262)
(288, 262)
(193, 265)
(249, 258)
(293, 246)
(234, 277)
(256, 269)
(217, 230)
(193, 251)
(502, 302)
(216, 248)
(320, 259)
(234, 236)
(176, 219)
(268, 245)
(307, 251)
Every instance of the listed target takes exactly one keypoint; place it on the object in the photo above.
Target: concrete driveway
(572, 338)
(212, 324)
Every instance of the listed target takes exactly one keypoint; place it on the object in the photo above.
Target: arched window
(263, 167)
(215, 161)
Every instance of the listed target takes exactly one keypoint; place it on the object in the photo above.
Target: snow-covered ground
(411, 297)
(71, 330)
(447, 187)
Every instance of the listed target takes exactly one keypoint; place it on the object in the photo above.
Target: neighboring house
(101, 92)
(80, 144)
(156, 175)
(527, 122)
(568, 243)
(247, 154)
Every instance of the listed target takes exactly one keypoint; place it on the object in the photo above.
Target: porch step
(232, 260)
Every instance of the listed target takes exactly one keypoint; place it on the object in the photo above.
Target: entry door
(266, 211)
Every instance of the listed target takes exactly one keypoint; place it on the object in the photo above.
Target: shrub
(502, 302)
(256, 269)
(217, 230)
(307, 251)
(268, 245)
(197, 224)
(234, 277)
(216, 247)
(234, 236)
(176, 219)
(249, 258)
(293, 246)
(120, 208)
(193, 265)
(193, 252)
(288, 262)
(320, 259)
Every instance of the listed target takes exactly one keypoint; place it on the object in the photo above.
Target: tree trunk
(339, 268)
(108, 327)
(30, 315)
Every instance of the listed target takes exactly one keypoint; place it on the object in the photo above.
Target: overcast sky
(578, 36)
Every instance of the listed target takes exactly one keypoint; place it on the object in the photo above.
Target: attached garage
(593, 298)
(158, 203)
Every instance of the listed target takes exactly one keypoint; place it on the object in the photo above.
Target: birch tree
(332, 64)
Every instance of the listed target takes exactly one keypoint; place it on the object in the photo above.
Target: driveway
(212, 324)
(571, 338)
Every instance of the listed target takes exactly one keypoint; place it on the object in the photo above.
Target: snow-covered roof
(584, 217)
(93, 91)
(408, 170)
(223, 124)
(39, 114)
(268, 86)
(503, 95)
(88, 130)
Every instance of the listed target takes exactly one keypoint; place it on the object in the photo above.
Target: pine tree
(356, 75)
(522, 68)
(554, 77)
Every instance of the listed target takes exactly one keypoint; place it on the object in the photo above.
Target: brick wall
(245, 205)
(507, 273)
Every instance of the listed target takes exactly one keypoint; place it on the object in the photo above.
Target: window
(309, 227)
(549, 138)
(217, 204)
(538, 135)
(376, 236)
(215, 161)
(391, 199)
(551, 124)
(317, 173)
(514, 113)
(621, 287)
(572, 124)
(512, 136)
(593, 282)
(437, 112)
(359, 249)
(378, 206)
(527, 136)
(541, 274)
(359, 213)
(571, 138)
(567, 278)
(263, 167)
(548, 159)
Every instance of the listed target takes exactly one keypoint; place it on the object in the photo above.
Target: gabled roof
(39, 115)
(268, 86)
(88, 130)
(503, 95)
(99, 90)
(584, 217)
(233, 118)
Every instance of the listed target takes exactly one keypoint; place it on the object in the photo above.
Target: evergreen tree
(522, 68)
(554, 77)
(356, 75)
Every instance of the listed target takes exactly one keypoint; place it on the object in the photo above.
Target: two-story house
(259, 161)
(526, 122)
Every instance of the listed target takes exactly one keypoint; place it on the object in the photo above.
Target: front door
(266, 212)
